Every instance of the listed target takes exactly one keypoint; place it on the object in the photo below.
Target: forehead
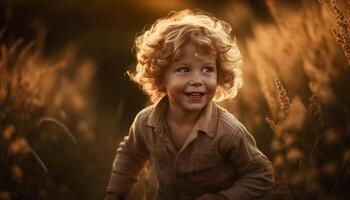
(190, 51)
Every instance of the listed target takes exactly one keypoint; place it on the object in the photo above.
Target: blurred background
(66, 101)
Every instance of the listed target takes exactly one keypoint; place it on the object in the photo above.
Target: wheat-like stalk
(282, 97)
(271, 124)
(314, 106)
(342, 36)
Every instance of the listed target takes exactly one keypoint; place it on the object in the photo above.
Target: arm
(255, 170)
(130, 159)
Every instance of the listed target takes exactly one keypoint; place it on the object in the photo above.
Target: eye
(183, 69)
(208, 69)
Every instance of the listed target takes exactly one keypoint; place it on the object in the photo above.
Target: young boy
(199, 150)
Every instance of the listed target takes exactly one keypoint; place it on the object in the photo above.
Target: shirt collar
(206, 123)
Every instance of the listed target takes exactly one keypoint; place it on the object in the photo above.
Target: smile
(194, 94)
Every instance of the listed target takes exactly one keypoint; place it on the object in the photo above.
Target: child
(199, 150)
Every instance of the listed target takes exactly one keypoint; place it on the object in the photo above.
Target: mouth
(194, 94)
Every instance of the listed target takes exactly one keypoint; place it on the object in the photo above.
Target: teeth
(195, 94)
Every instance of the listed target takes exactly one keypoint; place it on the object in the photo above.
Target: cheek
(175, 83)
(212, 87)
(212, 83)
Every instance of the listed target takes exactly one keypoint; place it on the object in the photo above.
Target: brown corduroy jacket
(219, 156)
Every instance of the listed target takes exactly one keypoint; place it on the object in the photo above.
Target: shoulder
(231, 133)
(228, 124)
(143, 115)
(145, 112)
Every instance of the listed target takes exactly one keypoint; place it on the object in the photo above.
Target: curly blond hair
(159, 45)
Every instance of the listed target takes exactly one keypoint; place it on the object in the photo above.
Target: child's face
(190, 81)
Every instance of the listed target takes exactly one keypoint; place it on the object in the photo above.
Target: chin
(194, 108)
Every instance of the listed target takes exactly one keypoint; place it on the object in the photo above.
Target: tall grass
(303, 77)
(38, 100)
(295, 101)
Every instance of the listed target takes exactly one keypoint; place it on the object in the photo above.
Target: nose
(196, 79)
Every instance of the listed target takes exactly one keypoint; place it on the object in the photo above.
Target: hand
(211, 197)
(113, 196)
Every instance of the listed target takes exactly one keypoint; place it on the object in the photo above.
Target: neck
(180, 116)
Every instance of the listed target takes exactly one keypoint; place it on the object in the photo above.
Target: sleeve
(256, 174)
(131, 156)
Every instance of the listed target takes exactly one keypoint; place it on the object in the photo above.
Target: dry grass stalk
(282, 97)
(271, 124)
(342, 36)
(314, 107)
(59, 124)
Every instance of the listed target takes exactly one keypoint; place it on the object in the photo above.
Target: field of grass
(295, 101)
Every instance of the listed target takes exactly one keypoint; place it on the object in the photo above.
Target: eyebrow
(185, 63)
(209, 63)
